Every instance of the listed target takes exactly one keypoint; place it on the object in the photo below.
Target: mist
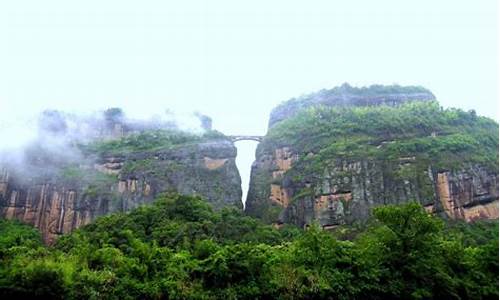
(40, 142)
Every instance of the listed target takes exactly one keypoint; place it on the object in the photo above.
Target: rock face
(332, 164)
(59, 196)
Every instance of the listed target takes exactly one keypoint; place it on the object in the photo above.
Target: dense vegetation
(449, 137)
(149, 140)
(401, 145)
(337, 93)
(446, 139)
(179, 248)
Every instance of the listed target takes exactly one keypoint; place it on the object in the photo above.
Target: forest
(180, 248)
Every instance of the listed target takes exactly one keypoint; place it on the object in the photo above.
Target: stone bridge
(237, 138)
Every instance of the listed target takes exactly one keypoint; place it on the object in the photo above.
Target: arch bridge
(237, 138)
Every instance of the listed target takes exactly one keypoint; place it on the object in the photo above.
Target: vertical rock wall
(57, 206)
(354, 168)
(344, 192)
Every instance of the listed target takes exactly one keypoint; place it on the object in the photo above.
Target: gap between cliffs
(244, 160)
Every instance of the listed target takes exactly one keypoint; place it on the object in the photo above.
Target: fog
(40, 142)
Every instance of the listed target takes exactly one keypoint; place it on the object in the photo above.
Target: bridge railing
(237, 138)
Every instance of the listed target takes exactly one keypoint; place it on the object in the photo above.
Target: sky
(236, 60)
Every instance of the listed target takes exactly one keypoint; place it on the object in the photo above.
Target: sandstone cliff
(330, 159)
(128, 165)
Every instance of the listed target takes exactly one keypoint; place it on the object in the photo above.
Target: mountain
(67, 177)
(331, 156)
(328, 157)
(131, 209)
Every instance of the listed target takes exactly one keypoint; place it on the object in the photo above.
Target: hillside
(179, 248)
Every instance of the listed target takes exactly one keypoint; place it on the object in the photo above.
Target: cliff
(116, 170)
(332, 156)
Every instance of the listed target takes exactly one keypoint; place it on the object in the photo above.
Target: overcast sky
(235, 60)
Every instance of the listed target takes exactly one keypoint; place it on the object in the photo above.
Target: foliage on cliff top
(447, 137)
(179, 248)
(150, 140)
(348, 90)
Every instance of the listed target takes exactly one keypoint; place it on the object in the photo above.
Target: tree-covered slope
(179, 248)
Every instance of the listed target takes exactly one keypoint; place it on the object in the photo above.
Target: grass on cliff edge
(445, 138)
(150, 140)
(179, 248)
(346, 89)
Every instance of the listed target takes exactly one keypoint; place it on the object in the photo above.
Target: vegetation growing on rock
(448, 137)
(149, 140)
(364, 155)
(348, 96)
(70, 175)
(375, 90)
(179, 248)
